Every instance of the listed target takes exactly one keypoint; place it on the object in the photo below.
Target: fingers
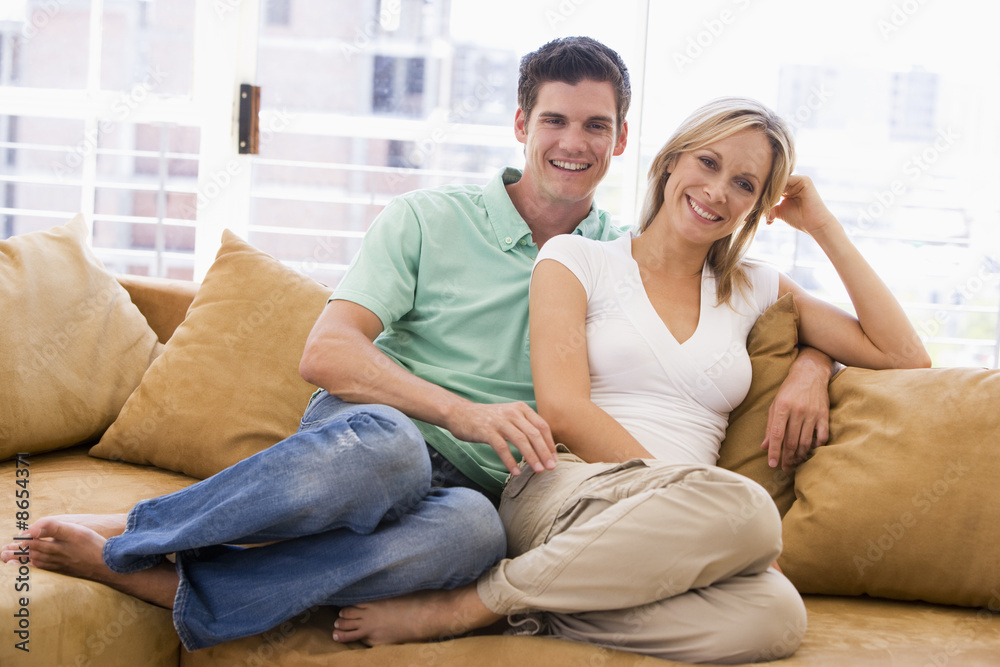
(775, 438)
(530, 435)
(822, 431)
(798, 444)
(506, 425)
(790, 437)
(502, 449)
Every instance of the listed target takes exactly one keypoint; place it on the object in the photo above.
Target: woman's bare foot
(78, 551)
(419, 616)
(105, 525)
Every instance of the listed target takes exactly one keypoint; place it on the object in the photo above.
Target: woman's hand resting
(802, 207)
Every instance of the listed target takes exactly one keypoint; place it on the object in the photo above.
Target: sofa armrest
(164, 302)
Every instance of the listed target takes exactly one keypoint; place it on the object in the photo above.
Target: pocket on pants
(597, 492)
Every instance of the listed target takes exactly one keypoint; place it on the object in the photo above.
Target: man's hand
(799, 418)
(501, 423)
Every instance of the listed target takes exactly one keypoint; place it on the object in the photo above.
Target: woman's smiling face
(712, 189)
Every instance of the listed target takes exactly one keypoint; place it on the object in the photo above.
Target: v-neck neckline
(649, 304)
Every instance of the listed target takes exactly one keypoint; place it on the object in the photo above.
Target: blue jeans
(353, 505)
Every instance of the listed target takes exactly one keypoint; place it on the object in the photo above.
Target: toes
(346, 625)
(43, 528)
(349, 626)
(15, 552)
(346, 636)
(351, 613)
(46, 528)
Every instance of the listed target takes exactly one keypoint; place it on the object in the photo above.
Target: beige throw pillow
(227, 384)
(72, 345)
(773, 346)
(902, 503)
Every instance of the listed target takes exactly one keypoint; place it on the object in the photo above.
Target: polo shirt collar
(509, 226)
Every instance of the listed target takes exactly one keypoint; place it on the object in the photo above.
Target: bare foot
(78, 551)
(416, 617)
(105, 525)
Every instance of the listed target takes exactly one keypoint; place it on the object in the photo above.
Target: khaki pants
(666, 560)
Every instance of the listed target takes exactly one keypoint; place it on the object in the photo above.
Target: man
(362, 502)
(422, 356)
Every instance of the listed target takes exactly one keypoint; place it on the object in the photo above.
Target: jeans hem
(177, 613)
(131, 564)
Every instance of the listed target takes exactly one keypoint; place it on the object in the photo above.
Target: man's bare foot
(105, 525)
(78, 551)
(419, 616)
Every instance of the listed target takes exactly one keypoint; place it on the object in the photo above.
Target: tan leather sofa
(890, 531)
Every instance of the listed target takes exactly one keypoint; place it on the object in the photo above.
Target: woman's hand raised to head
(802, 207)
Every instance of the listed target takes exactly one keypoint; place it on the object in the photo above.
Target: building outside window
(125, 110)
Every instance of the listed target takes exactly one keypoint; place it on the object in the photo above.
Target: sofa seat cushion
(859, 631)
(72, 344)
(305, 642)
(79, 622)
(73, 621)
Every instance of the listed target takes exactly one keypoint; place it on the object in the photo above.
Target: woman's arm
(561, 372)
(881, 336)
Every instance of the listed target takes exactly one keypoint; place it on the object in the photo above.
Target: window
(278, 12)
(894, 123)
(398, 85)
(124, 110)
(95, 117)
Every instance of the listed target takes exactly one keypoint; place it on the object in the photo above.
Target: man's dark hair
(572, 60)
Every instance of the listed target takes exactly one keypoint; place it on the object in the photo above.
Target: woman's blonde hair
(714, 121)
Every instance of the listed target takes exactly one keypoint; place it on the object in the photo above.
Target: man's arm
(799, 417)
(340, 357)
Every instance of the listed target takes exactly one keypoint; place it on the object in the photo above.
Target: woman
(638, 355)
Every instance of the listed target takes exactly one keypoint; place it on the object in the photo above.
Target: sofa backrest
(164, 302)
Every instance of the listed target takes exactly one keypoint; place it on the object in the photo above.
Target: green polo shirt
(447, 271)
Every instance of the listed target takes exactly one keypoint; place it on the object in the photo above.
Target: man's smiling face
(569, 141)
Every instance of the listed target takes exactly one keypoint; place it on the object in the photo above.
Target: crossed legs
(671, 561)
(346, 504)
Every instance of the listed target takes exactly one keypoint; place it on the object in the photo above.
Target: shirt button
(522, 242)
(508, 240)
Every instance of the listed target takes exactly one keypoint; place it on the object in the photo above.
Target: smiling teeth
(702, 212)
(572, 166)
